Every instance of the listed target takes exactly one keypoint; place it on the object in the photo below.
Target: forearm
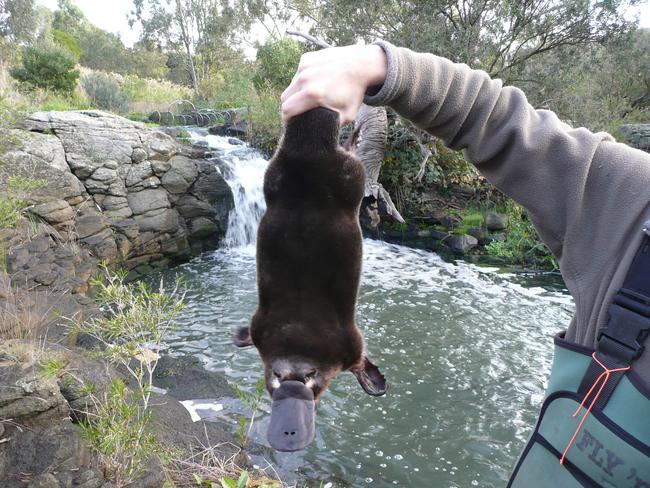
(580, 188)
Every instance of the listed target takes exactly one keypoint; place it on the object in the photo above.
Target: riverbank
(83, 192)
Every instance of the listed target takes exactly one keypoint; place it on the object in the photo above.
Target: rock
(440, 235)
(202, 228)
(29, 400)
(46, 480)
(40, 156)
(496, 221)
(148, 200)
(477, 232)
(162, 220)
(462, 244)
(104, 174)
(235, 142)
(88, 225)
(498, 237)
(181, 175)
(190, 207)
(160, 146)
(450, 221)
(54, 211)
(160, 167)
(16, 259)
(213, 188)
(137, 173)
(39, 244)
(102, 245)
(138, 155)
(127, 227)
(637, 135)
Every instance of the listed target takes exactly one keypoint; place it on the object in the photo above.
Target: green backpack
(594, 426)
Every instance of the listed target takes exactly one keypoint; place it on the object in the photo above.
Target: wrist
(376, 65)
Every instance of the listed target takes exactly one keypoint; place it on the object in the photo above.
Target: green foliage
(119, 432)
(522, 244)
(67, 41)
(492, 35)
(265, 122)
(101, 50)
(401, 165)
(68, 17)
(133, 329)
(277, 61)
(252, 401)
(104, 92)
(227, 482)
(145, 95)
(47, 66)
(17, 20)
(14, 201)
(52, 366)
(617, 92)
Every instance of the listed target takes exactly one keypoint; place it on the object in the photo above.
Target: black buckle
(620, 338)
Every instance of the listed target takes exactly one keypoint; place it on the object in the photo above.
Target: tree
(18, 21)
(47, 66)
(68, 17)
(199, 29)
(102, 50)
(277, 62)
(493, 35)
(567, 82)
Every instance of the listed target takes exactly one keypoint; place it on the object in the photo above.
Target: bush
(104, 92)
(67, 41)
(146, 95)
(47, 66)
(277, 63)
(265, 123)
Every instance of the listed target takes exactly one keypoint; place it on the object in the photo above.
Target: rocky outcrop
(637, 135)
(115, 191)
(41, 446)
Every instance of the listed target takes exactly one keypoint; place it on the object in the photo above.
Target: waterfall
(243, 169)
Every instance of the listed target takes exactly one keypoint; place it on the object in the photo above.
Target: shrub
(145, 95)
(104, 92)
(265, 123)
(277, 62)
(132, 332)
(47, 66)
(67, 41)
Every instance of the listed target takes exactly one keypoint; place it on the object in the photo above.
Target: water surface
(466, 351)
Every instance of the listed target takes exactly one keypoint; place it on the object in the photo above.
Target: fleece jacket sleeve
(586, 194)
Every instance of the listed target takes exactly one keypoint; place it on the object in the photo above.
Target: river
(466, 351)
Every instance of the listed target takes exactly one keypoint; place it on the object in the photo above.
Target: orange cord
(605, 374)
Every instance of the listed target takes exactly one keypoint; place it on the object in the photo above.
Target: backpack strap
(620, 340)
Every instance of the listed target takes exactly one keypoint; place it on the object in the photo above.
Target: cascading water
(243, 171)
(466, 351)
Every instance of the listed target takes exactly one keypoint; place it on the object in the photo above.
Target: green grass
(14, 201)
(52, 366)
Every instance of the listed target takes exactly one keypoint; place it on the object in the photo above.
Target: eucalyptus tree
(493, 35)
(18, 21)
(200, 30)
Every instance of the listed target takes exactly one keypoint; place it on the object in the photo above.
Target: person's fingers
(298, 103)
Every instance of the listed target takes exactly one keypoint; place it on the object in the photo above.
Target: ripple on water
(466, 352)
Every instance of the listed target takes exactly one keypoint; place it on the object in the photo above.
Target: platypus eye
(310, 374)
(277, 375)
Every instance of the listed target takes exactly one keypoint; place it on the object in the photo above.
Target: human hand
(336, 78)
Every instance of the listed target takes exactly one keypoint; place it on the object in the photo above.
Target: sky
(111, 15)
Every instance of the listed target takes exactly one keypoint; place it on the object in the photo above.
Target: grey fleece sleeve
(586, 194)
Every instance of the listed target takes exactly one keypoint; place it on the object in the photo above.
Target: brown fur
(309, 250)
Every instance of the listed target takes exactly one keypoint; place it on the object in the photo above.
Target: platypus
(309, 250)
